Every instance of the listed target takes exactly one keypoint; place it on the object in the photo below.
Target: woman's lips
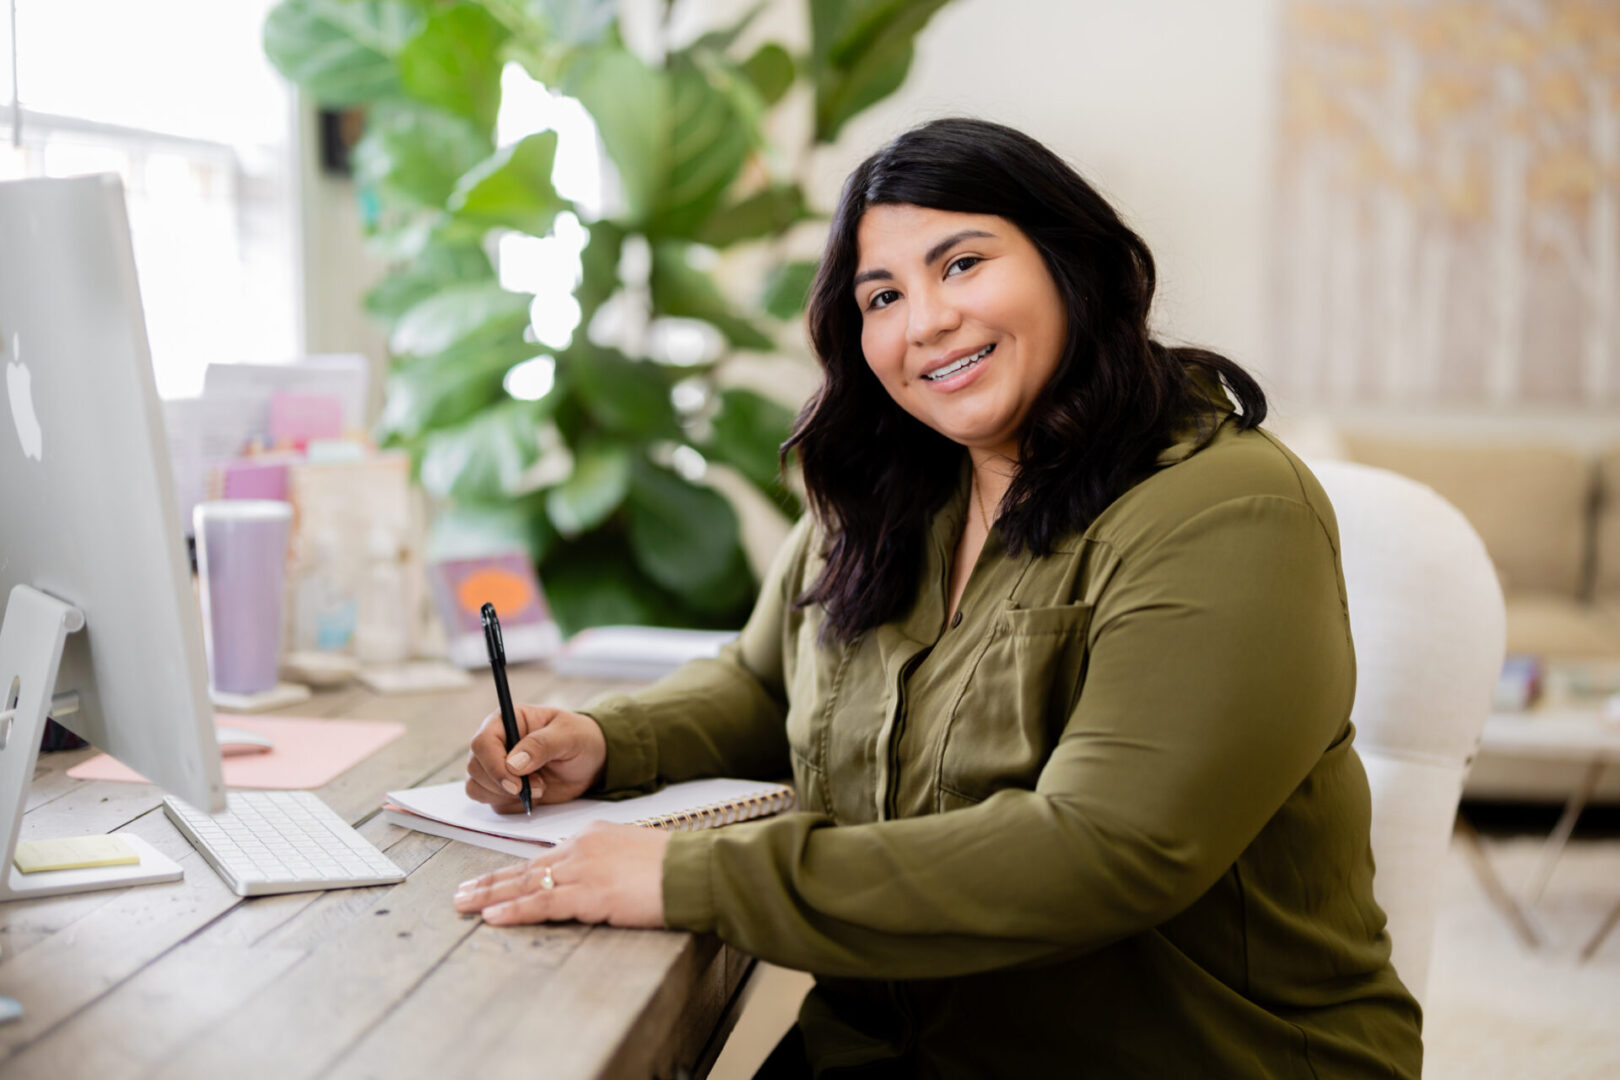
(966, 370)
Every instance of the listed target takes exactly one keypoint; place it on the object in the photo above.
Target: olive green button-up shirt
(1109, 823)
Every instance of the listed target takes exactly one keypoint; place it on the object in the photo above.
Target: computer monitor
(89, 532)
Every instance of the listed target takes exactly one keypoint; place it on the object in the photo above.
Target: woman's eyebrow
(934, 254)
(938, 251)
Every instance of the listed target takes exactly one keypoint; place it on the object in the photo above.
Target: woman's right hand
(562, 753)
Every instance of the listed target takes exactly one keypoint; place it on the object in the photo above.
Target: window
(174, 96)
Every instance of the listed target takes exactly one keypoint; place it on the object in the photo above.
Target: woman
(1061, 666)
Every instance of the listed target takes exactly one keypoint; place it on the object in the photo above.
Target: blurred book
(635, 652)
(341, 377)
(296, 419)
(461, 587)
(1519, 685)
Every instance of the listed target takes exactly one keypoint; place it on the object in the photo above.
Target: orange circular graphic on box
(506, 590)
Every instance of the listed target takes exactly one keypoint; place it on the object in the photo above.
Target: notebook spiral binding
(723, 813)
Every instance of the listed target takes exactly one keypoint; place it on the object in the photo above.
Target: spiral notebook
(445, 810)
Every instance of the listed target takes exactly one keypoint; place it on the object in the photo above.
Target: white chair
(1426, 615)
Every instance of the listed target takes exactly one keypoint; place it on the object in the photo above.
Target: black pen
(497, 664)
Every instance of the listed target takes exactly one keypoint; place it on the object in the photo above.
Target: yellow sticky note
(73, 853)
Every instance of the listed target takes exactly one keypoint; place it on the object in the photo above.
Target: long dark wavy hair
(876, 475)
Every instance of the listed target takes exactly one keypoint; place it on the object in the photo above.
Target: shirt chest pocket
(815, 686)
(1014, 704)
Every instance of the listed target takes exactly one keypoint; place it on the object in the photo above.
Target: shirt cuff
(688, 892)
(632, 747)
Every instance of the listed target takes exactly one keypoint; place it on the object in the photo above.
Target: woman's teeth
(961, 365)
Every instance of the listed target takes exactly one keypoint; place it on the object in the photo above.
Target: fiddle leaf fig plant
(598, 475)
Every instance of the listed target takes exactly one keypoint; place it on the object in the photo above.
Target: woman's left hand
(608, 873)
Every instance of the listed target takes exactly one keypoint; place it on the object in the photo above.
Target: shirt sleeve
(1220, 671)
(719, 717)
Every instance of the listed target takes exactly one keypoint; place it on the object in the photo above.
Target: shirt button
(956, 620)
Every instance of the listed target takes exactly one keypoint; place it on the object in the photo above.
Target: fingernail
(511, 786)
(465, 886)
(518, 762)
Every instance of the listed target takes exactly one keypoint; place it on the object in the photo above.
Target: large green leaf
(599, 268)
(404, 234)
(485, 457)
(629, 102)
(461, 315)
(594, 582)
(597, 486)
(686, 538)
(468, 530)
(454, 63)
(748, 431)
(418, 153)
(765, 213)
(860, 53)
(787, 289)
(437, 266)
(708, 143)
(433, 392)
(771, 71)
(678, 288)
(512, 188)
(339, 52)
(629, 397)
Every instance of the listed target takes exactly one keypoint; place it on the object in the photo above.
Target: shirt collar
(1194, 431)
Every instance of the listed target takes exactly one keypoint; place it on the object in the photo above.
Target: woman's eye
(881, 299)
(962, 265)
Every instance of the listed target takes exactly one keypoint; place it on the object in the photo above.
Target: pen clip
(492, 635)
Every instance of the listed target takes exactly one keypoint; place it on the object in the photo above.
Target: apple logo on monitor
(19, 388)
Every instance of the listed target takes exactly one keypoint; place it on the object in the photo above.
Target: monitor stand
(34, 630)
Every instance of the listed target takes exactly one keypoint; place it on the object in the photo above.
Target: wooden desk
(189, 980)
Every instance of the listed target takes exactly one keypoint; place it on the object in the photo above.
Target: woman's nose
(930, 314)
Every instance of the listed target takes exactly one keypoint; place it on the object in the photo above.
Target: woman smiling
(1061, 666)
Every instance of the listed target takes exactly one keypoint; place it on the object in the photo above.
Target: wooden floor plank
(51, 780)
(334, 913)
(332, 998)
(66, 972)
(426, 1034)
(155, 1015)
(527, 1021)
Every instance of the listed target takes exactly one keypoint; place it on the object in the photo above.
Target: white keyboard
(282, 841)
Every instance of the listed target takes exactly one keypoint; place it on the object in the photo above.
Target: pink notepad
(307, 752)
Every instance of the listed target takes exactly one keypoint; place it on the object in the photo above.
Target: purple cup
(241, 560)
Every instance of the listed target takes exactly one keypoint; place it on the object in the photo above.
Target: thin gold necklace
(978, 500)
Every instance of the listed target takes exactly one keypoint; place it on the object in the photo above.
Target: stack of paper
(635, 652)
